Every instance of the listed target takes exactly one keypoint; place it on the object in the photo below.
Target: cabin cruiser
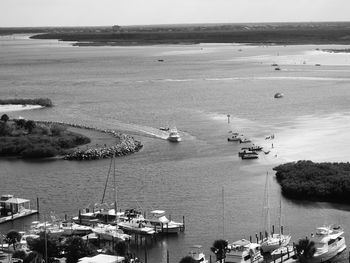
(71, 228)
(243, 251)
(274, 241)
(235, 137)
(161, 223)
(249, 155)
(106, 216)
(197, 254)
(109, 232)
(329, 242)
(174, 135)
(133, 221)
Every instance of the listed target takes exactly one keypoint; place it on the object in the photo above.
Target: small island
(329, 182)
(42, 139)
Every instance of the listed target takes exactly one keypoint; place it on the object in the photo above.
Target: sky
(18, 13)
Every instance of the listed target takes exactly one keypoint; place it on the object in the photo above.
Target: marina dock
(12, 208)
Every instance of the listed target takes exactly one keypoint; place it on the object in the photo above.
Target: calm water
(196, 86)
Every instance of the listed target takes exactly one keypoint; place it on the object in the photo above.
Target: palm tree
(5, 118)
(13, 237)
(219, 249)
(305, 249)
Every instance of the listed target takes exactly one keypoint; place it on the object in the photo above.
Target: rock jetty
(126, 145)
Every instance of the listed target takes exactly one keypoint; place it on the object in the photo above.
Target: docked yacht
(174, 135)
(329, 242)
(71, 228)
(109, 232)
(243, 251)
(136, 225)
(274, 241)
(161, 223)
(197, 254)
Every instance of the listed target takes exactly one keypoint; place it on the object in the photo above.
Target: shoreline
(18, 107)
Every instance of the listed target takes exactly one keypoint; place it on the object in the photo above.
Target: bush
(39, 152)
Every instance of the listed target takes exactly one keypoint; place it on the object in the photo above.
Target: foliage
(33, 257)
(305, 250)
(13, 237)
(45, 102)
(19, 254)
(319, 181)
(5, 118)
(187, 259)
(29, 139)
(38, 245)
(219, 249)
(76, 248)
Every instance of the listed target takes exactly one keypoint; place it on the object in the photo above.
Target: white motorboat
(71, 228)
(196, 252)
(136, 225)
(109, 232)
(161, 223)
(174, 135)
(235, 137)
(329, 242)
(274, 241)
(243, 251)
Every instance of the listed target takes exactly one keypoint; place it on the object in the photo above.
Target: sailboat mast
(267, 204)
(114, 187)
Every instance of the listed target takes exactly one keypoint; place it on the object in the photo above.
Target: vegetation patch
(315, 181)
(30, 139)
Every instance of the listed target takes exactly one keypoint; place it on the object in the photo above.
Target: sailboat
(102, 215)
(272, 241)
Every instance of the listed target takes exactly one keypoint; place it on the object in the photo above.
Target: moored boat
(196, 252)
(161, 223)
(243, 251)
(329, 242)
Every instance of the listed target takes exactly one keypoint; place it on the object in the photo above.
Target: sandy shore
(13, 107)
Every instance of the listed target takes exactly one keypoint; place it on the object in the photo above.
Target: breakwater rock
(125, 145)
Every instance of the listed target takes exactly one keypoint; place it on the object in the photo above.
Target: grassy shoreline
(253, 33)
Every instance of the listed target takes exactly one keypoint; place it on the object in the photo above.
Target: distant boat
(234, 137)
(164, 128)
(174, 135)
(278, 95)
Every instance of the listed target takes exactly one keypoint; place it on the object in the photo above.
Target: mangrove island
(328, 182)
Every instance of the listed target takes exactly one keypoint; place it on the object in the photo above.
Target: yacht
(243, 251)
(235, 137)
(274, 241)
(174, 135)
(133, 221)
(136, 225)
(109, 232)
(161, 223)
(197, 254)
(329, 242)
